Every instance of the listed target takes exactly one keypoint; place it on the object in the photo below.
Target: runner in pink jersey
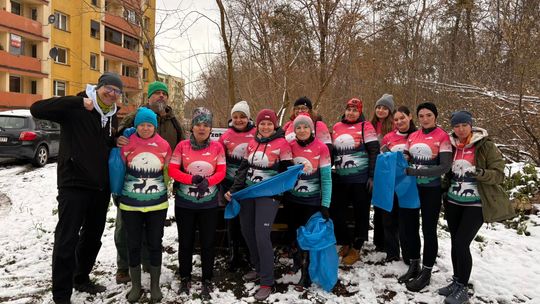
(355, 151)
(394, 228)
(430, 156)
(383, 122)
(198, 164)
(304, 105)
(235, 141)
(311, 194)
(267, 155)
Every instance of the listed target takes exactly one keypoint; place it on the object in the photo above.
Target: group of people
(462, 170)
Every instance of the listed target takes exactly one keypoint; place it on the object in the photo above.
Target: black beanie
(303, 101)
(109, 78)
(427, 105)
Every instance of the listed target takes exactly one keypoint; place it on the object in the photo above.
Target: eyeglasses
(110, 89)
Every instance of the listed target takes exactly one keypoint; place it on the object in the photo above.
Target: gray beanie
(109, 78)
(241, 106)
(386, 100)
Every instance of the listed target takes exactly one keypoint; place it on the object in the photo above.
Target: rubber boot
(412, 272)
(155, 291)
(421, 281)
(305, 279)
(135, 292)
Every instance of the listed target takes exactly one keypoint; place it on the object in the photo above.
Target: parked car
(25, 137)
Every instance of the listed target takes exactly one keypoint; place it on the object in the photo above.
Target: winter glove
(129, 131)
(369, 184)
(479, 172)
(202, 188)
(325, 213)
(196, 179)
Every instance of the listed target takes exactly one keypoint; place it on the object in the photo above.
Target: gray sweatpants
(256, 219)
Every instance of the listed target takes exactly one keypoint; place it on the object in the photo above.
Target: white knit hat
(241, 106)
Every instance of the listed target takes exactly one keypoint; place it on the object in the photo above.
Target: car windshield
(12, 122)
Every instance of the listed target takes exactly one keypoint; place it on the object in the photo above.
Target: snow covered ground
(506, 265)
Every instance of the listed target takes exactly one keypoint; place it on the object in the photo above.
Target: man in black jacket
(88, 122)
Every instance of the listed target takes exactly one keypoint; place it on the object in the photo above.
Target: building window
(131, 43)
(16, 8)
(105, 65)
(94, 29)
(146, 23)
(33, 87)
(129, 71)
(15, 84)
(94, 61)
(62, 55)
(61, 21)
(16, 44)
(130, 16)
(95, 3)
(34, 14)
(113, 36)
(145, 74)
(34, 50)
(59, 88)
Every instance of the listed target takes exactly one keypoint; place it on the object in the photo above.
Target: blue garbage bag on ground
(318, 237)
(390, 177)
(275, 185)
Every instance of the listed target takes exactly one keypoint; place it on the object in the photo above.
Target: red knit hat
(266, 114)
(355, 102)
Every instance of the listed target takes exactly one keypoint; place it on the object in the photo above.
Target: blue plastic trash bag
(318, 237)
(117, 170)
(275, 185)
(390, 178)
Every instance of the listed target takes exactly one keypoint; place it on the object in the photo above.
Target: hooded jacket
(495, 203)
(84, 143)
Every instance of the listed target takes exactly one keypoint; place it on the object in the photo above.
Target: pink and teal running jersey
(351, 157)
(394, 141)
(321, 132)
(235, 144)
(424, 150)
(264, 159)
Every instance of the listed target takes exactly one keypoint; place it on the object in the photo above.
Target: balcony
(130, 82)
(20, 63)
(21, 25)
(18, 100)
(122, 24)
(120, 53)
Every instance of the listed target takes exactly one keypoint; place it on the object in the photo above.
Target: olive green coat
(495, 203)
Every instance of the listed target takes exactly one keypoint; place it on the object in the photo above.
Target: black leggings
(463, 223)
(430, 206)
(394, 231)
(344, 195)
(151, 225)
(187, 221)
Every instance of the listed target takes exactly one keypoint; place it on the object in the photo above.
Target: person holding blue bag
(313, 190)
(144, 199)
(394, 230)
(267, 155)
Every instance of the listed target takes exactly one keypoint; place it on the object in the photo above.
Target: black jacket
(84, 144)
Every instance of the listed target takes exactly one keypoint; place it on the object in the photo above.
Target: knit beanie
(157, 86)
(303, 101)
(386, 100)
(427, 105)
(355, 102)
(267, 114)
(201, 115)
(460, 117)
(109, 78)
(241, 106)
(303, 118)
(145, 115)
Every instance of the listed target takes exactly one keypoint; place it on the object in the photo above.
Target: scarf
(92, 94)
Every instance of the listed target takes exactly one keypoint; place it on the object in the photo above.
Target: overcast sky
(187, 41)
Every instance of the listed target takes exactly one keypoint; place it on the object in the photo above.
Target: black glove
(202, 188)
(196, 179)
(324, 212)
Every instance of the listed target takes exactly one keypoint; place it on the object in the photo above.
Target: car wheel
(41, 157)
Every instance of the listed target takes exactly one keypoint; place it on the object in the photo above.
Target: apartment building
(73, 42)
